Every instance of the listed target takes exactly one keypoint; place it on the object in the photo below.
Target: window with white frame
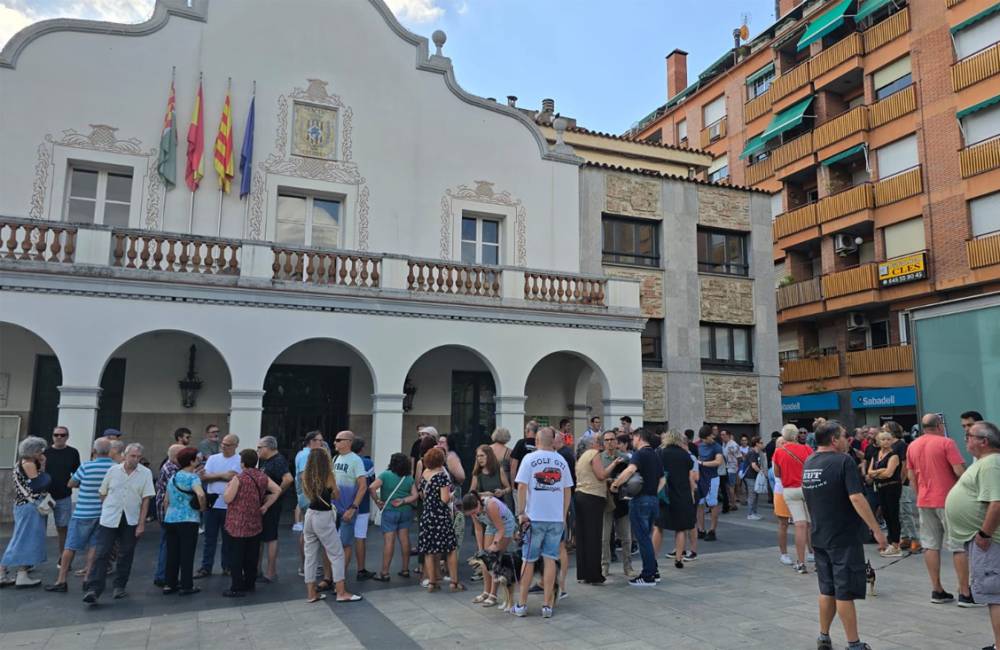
(99, 195)
(897, 156)
(981, 125)
(892, 78)
(480, 240)
(977, 35)
(714, 111)
(984, 213)
(719, 169)
(308, 220)
(682, 131)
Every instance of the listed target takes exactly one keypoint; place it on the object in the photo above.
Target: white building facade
(407, 253)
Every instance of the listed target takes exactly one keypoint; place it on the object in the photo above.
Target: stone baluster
(183, 261)
(144, 254)
(41, 244)
(131, 253)
(56, 248)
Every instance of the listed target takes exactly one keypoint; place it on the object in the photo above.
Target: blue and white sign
(884, 398)
(813, 402)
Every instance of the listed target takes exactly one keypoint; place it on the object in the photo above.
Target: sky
(602, 61)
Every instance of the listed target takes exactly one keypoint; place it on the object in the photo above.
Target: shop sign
(900, 270)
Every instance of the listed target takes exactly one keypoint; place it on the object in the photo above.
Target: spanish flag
(195, 169)
(224, 147)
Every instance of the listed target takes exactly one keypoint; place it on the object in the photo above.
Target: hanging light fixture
(409, 390)
(190, 385)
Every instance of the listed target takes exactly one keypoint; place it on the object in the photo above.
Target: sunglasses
(60, 435)
(341, 439)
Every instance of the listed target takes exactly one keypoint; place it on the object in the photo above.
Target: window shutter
(888, 74)
(985, 214)
(788, 341)
(897, 156)
(982, 34)
(718, 164)
(715, 110)
(682, 130)
(904, 237)
(981, 125)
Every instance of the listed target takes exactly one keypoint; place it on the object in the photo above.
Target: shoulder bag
(43, 504)
(376, 512)
(195, 503)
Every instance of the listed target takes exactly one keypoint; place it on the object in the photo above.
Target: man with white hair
(126, 489)
(789, 461)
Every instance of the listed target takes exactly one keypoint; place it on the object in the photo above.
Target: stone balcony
(183, 259)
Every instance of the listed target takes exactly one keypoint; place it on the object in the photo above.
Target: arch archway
(317, 383)
(141, 393)
(565, 385)
(30, 376)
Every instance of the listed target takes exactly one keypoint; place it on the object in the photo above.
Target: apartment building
(875, 124)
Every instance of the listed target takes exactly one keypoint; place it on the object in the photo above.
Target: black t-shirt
(753, 456)
(828, 480)
(648, 465)
(769, 450)
(522, 448)
(899, 448)
(415, 450)
(677, 465)
(567, 455)
(60, 465)
(275, 467)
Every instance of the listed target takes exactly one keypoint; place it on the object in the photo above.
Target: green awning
(754, 145)
(843, 155)
(975, 19)
(977, 107)
(868, 7)
(824, 24)
(763, 72)
(789, 118)
(712, 70)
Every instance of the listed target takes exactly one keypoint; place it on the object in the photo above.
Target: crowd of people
(597, 495)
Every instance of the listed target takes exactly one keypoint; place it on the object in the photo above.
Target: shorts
(82, 534)
(841, 572)
(271, 521)
(543, 540)
(396, 520)
(796, 503)
(62, 511)
(712, 498)
(934, 531)
(984, 573)
(361, 525)
(346, 530)
(780, 507)
(300, 496)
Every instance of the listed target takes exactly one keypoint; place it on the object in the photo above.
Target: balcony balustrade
(849, 123)
(887, 31)
(843, 203)
(760, 170)
(759, 105)
(843, 283)
(973, 69)
(836, 54)
(825, 367)
(563, 289)
(790, 81)
(37, 241)
(793, 150)
(175, 254)
(984, 251)
(896, 358)
(799, 293)
(713, 133)
(898, 187)
(794, 221)
(326, 267)
(980, 157)
(892, 107)
(455, 279)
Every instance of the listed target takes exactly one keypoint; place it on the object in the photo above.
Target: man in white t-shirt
(219, 469)
(543, 494)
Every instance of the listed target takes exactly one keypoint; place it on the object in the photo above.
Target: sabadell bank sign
(884, 398)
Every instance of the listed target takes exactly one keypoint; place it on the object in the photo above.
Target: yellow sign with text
(900, 270)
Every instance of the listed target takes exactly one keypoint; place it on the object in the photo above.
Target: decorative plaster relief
(483, 192)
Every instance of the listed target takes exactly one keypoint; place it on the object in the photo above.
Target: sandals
(405, 573)
(456, 586)
(353, 599)
(318, 598)
(323, 585)
(480, 598)
(432, 587)
(490, 601)
(382, 577)
(80, 573)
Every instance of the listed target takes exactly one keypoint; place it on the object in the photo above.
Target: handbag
(44, 504)
(194, 502)
(376, 512)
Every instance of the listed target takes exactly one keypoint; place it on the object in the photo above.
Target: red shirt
(243, 518)
(931, 458)
(789, 461)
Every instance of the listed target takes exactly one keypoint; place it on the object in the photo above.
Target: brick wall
(727, 300)
(720, 208)
(650, 288)
(731, 398)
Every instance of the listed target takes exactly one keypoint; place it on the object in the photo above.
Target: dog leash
(886, 566)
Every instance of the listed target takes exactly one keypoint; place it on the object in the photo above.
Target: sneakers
(754, 517)
(891, 551)
(968, 601)
(297, 527)
(678, 564)
(90, 597)
(671, 555)
(563, 595)
(119, 593)
(519, 610)
(57, 587)
(365, 574)
(642, 582)
(940, 597)
(701, 534)
(24, 581)
(786, 559)
(824, 644)
(710, 536)
(546, 612)
(656, 577)
(801, 569)
(690, 556)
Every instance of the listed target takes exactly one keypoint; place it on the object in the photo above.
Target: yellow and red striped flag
(224, 147)
(195, 169)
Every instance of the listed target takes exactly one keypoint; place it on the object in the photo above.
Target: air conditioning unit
(845, 244)
(715, 131)
(856, 321)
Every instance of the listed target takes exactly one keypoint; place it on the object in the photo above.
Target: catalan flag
(224, 147)
(195, 169)
(166, 165)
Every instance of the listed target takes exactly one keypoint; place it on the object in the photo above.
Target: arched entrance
(30, 376)
(142, 395)
(565, 385)
(315, 384)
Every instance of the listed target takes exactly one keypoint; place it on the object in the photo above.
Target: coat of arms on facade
(314, 131)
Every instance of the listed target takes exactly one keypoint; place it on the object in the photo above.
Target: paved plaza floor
(735, 595)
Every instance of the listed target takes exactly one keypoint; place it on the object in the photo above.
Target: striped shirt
(90, 475)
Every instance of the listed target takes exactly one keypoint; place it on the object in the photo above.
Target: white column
(78, 411)
(246, 407)
(581, 418)
(510, 415)
(614, 409)
(387, 428)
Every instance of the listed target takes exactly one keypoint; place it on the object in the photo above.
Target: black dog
(505, 569)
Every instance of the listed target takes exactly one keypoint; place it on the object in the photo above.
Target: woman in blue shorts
(494, 524)
(395, 493)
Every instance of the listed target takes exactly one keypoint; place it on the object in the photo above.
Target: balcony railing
(843, 203)
(951, 3)
(453, 279)
(793, 150)
(849, 123)
(975, 68)
(836, 54)
(563, 289)
(141, 249)
(894, 106)
(799, 293)
(898, 187)
(795, 221)
(326, 267)
(980, 157)
(790, 81)
(713, 132)
(37, 240)
(759, 105)
(759, 171)
(984, 251)
(843, 283)
(889, 29)
(824, 367)
(897, 358)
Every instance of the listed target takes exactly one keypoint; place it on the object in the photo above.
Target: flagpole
(246, 204)
(201, 79)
